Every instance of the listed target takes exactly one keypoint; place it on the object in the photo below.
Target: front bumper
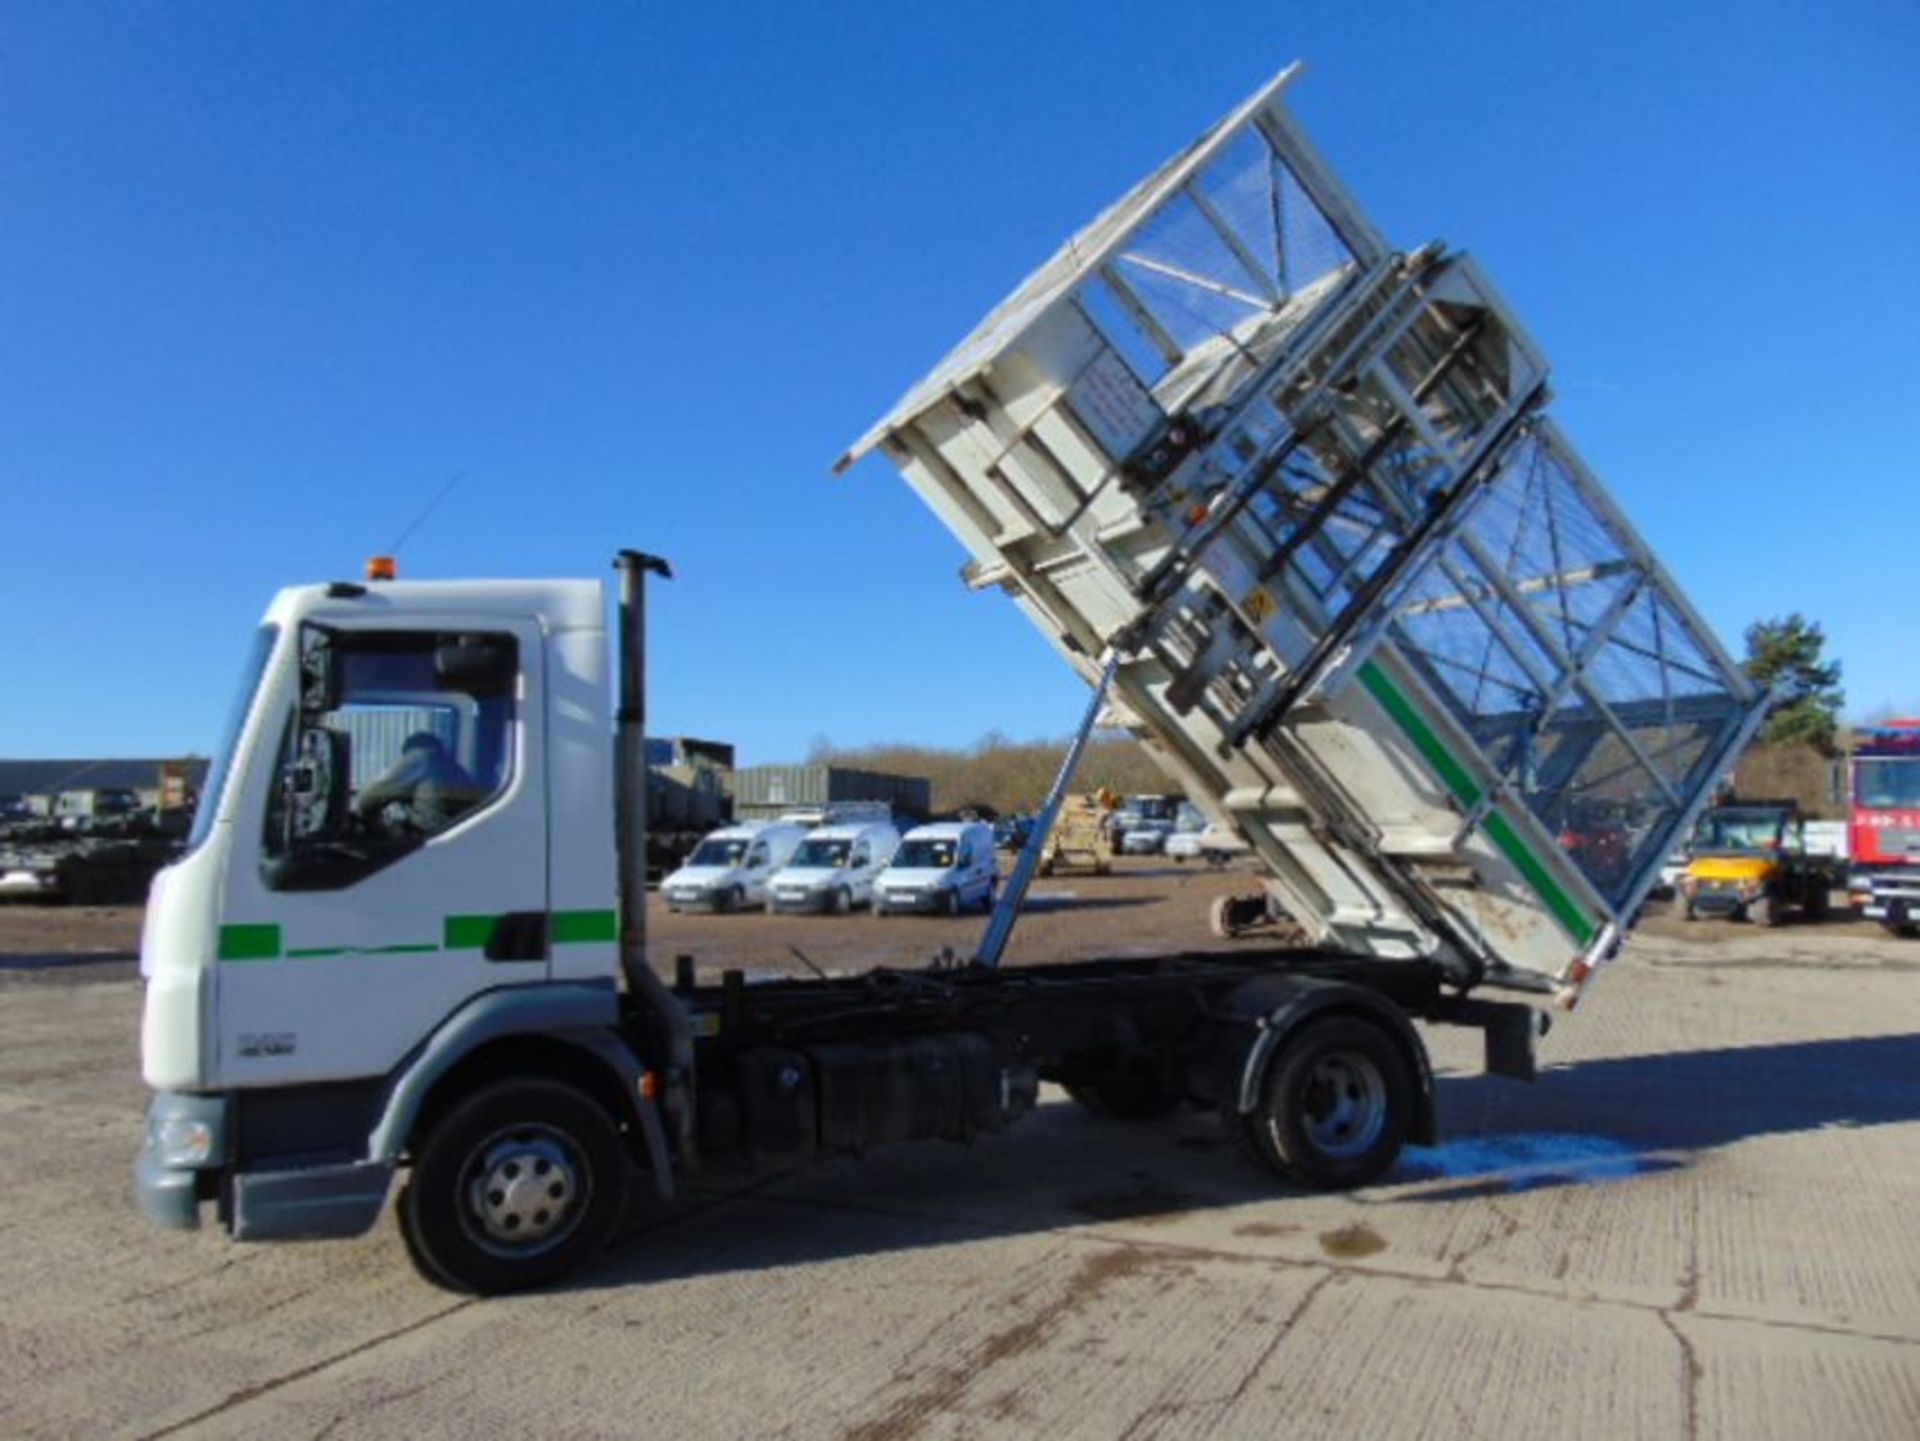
(911, 903)
(1893, 899)
(806, 903)
(700, 902)
(167, 1175)
(169, 1195)
(311, 1202)
(1713, 903)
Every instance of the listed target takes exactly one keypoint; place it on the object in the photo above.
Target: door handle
(518, 936)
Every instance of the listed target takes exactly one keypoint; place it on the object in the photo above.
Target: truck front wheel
(1336, 1108)
(515, 1186)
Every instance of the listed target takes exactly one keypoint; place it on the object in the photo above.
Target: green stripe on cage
(1499, 829)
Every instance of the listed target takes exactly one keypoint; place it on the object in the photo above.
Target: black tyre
(953, 901)
(516, 1186)
(1819, 902)
(1336, 1108)
(1763, 911)
(840, 902)
(1125, 1098)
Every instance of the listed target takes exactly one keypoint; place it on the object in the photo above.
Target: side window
(966, 856)
(398, 735)
(862, 855)
(756, 857)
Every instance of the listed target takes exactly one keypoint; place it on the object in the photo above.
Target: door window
(398, 736)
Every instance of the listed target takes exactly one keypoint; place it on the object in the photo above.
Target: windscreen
(925, 855)
(1887, 784)
(822, 853)
(1737, 831)
(222, 764)
(717, 852)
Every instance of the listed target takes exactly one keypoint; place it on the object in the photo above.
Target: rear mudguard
(1258, 1019)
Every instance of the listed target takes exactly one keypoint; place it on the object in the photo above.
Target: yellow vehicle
(1749, 858)
(1080, 838)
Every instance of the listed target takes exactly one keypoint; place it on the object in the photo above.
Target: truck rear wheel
(1336, 1108)
(515, 1186)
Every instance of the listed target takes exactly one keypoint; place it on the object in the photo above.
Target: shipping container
(765, 792)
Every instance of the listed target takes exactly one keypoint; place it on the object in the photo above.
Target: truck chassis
(1310, 1058)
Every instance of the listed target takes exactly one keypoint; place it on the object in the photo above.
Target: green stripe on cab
(249, 943)
(468, 933)
(572, 928)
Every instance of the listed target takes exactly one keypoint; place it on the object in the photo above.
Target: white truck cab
(943, 868)
(834, 868)
(405, 839)
(729, 870)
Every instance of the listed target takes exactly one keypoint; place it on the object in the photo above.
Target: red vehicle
(1883, 830)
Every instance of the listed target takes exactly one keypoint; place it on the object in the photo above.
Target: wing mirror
(315, 785)
(320, 684)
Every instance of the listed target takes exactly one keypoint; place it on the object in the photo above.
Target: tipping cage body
(1369, 606)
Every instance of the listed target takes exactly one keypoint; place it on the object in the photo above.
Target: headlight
(182, 1141)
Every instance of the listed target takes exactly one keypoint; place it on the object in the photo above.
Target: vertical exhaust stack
(667, 1022)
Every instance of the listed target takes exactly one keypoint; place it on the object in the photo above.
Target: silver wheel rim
(523, 1191)
(1343, 1108)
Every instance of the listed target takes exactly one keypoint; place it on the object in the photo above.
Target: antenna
(428, 509)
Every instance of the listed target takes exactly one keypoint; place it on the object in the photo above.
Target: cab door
(401, 862)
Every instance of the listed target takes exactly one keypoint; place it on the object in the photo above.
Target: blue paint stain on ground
(1524, 1161)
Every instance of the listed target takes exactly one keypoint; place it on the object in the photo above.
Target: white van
(834, 868)
(729, 870)
(944, 867)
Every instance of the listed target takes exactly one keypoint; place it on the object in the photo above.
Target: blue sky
(269, 275)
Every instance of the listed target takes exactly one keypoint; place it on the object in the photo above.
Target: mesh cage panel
(1225, 252)
(1552, 639)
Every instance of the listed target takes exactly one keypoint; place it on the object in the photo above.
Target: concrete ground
(1704, 1221)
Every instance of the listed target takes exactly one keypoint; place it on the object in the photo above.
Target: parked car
(942, 868)
(1145, 836)
(1011, 832)
(1213, 844)
(729, 870)
(1750, 859)
(833, 869)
